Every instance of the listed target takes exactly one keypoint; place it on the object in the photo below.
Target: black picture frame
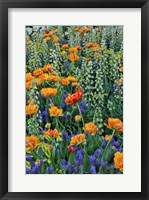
(4, 6)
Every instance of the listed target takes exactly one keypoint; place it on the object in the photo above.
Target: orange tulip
(31, 110)
(77, 139)
(90, 128)
(52, 133)
(74, 98)
(118, 161)
(37, 72)
(116, 124)
(31, 143)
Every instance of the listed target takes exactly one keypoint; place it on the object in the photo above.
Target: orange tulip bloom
(75, 84)
(47, 39)
(29, 77)
(71, 79)
(88, 45)
(73, 57)
(47, 68)
(90, 128)
(116, 124)
(118, 161)
(78, 139)
(29, 85)
(73, 50)
(74, 98)
(48, 92)
(79, 48)
(41, 79)
(65, 46)
(52, 133)
(53, 78)
(37, 72)
(31, 143)
(56, 39)
(64, 82)
(31, 110)
(55, 112)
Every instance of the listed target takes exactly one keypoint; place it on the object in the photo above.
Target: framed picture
(74, 99)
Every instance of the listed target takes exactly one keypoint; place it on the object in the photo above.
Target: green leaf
(28, 165)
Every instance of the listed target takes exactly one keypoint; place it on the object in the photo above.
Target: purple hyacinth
(29, 158)
(35, 169)
(64, 135)
(51, 169)
(79, 158)
(104, 165)
(103, 145)
(28, 171)
(98, 153)
(93, 170)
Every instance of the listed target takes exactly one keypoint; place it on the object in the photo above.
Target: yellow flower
(31, 110)
(90, 128)
(118, 161)
(48, 92)
(55, 112)
(75, 84)
(88, 59)
(119, 82)
(107, 138)
(47, 39)
(77, 118)
(121, 69)
(52, 133)
(71, 79)
(116, 124)
(55, 31)
(63, 53)
(29, 42)
(78, 139)
(31, 143)
(37, 72)
(48, 34)
(64, 82)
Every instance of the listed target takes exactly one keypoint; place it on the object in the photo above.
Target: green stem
(96, 142)
(56, 122)
(60, 123)
(51, 102)
(80, 114)
(84, 152)
(109, 140)
(120, 137)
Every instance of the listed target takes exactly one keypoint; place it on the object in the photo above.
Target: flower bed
(74, 100)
